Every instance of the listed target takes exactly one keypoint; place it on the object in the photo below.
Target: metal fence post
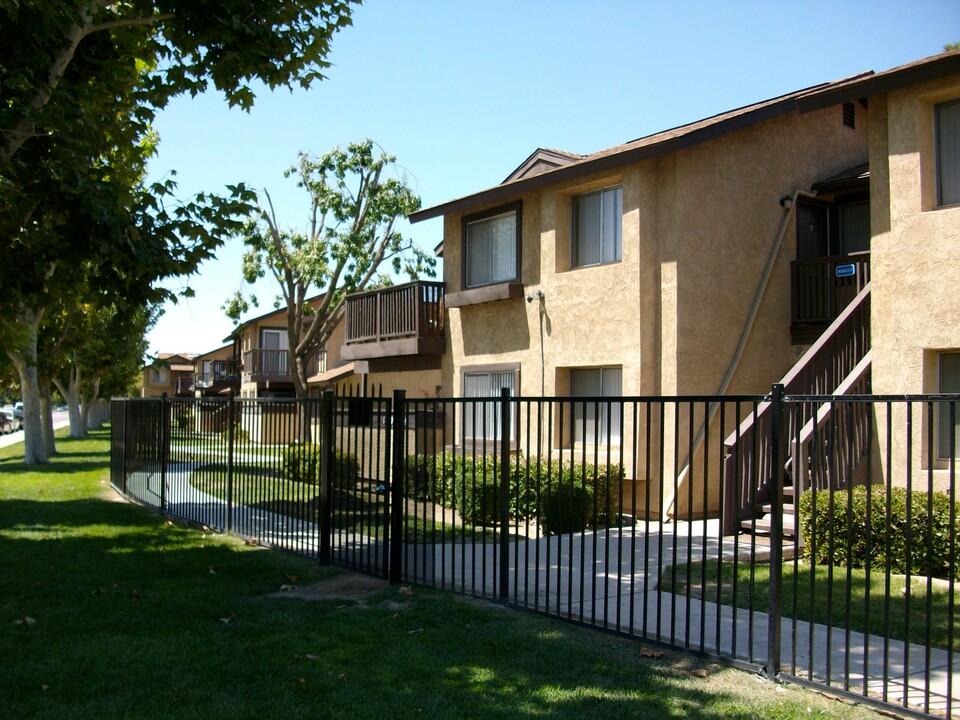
(231, 433)
(327, 404)
(504, 497)
(124, 444)
(776, 533)
(164, 449)
(397, 470)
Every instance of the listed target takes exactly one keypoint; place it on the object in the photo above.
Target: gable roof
(685, 136)
(540, 161)
(238, 330)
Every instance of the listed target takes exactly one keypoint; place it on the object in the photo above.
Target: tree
(81, 82)
(185, 44)
(356, 198)
(92, 342)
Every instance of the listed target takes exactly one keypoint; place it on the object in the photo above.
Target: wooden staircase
(837, 364)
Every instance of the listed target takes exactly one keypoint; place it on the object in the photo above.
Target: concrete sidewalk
(17, 437)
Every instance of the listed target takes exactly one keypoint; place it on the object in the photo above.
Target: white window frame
(481, 420)
(589, 418)
(583, 230)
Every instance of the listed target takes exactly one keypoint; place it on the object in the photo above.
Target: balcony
(218, 376)
(402, 320)
(274, 365)
(819, 295)
(183, 386)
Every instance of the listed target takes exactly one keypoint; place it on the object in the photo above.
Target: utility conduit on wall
(789, 203)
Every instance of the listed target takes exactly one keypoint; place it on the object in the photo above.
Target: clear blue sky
(463, 92)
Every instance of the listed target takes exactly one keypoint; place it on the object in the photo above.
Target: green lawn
(820, 594)
(108, 611)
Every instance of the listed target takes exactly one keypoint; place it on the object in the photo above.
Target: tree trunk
(302, 392)
(89, 404)
(71, 394)
(24, 358)
(46, 417)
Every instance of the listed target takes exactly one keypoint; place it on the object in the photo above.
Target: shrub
(566, 507)
(240, 434)
(469, 484)
(878, 544)
(301, 463)
(183, 419)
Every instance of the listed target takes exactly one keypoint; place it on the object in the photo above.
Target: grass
(109, 611)
(819, 593)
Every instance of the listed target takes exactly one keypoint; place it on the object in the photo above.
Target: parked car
(18, 411)
(7, 423)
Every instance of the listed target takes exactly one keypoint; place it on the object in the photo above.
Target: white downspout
(789, 203)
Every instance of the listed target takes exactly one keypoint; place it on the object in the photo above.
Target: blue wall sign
(846, 270)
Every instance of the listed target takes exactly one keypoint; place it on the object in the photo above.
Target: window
(948, 153)
(482, 419)
(491, 248)
(948, 428)
(597, 227)
(160, 376)
(595, 421)
(854, 227)
(273, 351)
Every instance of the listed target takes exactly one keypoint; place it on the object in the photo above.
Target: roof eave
(880, 83)
(607, 162)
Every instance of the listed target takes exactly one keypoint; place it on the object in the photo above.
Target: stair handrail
(816, 373)
(854, 383)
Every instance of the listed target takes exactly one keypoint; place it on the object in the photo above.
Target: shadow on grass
(187, 622)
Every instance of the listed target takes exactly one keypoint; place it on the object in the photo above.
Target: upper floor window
(595, 421)
(160, 376)
(597, 231)
(948, 153)
(492, 247)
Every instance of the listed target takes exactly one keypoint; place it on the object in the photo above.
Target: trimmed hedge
(879, 545)
(563, 498)
(301, 463)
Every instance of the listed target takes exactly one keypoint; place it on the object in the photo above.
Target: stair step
(788, 509)
(763, 525)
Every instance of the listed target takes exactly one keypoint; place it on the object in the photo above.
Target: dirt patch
(346, 586)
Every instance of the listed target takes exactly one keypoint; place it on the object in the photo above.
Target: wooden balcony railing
(260, 365)
(220, 374)
(400, 320)
(819, 296)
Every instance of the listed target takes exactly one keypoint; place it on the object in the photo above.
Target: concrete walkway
(611, 579)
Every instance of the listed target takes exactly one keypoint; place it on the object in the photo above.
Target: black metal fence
(609, 512)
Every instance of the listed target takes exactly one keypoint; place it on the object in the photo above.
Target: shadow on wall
(493, 328)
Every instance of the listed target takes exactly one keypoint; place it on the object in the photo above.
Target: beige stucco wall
(915, 264)
(150, 389)
(698, 227)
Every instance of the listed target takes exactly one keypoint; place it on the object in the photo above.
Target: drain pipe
(788, 203)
